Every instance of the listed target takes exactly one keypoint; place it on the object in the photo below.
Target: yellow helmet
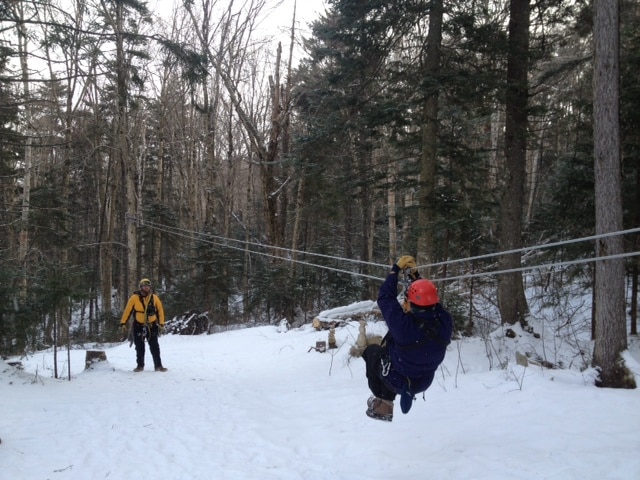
(145, 281)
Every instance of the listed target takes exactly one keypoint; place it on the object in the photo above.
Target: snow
(365, 306)
(257, 403)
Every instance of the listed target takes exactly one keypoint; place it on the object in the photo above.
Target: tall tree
(610, 320)
(428, 179)
(266, 146)
(630, 135)
(120, 17)
(21, 14)
(12, 334)
(511, 299)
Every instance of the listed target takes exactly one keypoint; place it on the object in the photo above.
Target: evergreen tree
(13, 327)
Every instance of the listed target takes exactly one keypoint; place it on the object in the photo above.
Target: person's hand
(123, 327)
(406, 261)
(160, 329)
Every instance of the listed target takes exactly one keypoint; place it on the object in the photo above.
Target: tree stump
(320, 347)
(94, 356)
(361, 341)
(332, 337)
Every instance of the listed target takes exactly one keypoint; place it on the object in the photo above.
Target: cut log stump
(94, 356)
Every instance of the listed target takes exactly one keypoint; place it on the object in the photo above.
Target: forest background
(252, 183)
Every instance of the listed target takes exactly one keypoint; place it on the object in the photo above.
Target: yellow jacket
(140, 305)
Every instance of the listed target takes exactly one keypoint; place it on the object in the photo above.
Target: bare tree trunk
(425, 248)
(23, 239)
(610, 321)
(66, 115)
(365, 164)
(297, 222)
(511, 299)
(392, 212)
(286, 147)
(634, 299)
(274, 193)
(635, 269)
(496, 158)
(533, 169)
(122, 152)
(105, 200)
(159, 188)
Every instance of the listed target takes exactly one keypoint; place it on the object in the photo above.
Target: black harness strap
(150, 308)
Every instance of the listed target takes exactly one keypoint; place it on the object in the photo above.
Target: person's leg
(154, 346)
(138, 340)
(373, 356)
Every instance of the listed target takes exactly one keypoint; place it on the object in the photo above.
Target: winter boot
(138, 369)
(161, 369)
(406, 399)
(380, 409)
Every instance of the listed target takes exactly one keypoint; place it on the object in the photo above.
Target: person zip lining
(148, 323)
(414, 346)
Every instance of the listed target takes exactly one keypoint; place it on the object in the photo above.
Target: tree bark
(425, 248)
(392, 212)
(23, 238)
(274, 191)
(512, 302)
(610, 321)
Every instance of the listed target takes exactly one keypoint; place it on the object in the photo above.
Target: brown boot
(380, 409)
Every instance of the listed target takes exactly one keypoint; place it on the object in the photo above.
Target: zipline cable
(224, 243)
(197, 237)
(537, 267)
(262, 245)
(535, 247)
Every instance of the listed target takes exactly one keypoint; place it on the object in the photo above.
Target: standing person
(148, 323)
(414, 346)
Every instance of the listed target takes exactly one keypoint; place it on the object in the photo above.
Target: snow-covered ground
(259, 404)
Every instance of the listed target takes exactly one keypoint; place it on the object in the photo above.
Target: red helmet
(423, 293)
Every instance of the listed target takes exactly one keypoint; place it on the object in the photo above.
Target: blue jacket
(415, 353)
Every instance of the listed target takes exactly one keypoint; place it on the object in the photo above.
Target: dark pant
(373, 356)
(150, 333)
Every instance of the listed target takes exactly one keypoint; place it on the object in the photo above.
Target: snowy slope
(257, 404)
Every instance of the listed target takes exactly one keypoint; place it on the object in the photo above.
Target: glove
(123, 328)
(160, 330)
(406, 261)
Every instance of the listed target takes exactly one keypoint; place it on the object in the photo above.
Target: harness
(149, 308)
(429, 329)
